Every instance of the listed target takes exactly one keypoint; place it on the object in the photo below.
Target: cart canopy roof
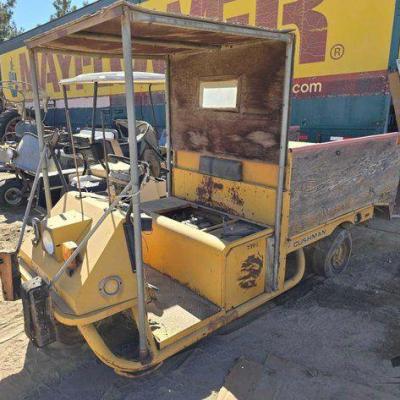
(154, 34)
(148, 78)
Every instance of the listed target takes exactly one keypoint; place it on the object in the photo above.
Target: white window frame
(215, 84)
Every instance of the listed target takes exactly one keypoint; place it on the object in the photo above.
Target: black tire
(12, 193)
(331, 255)
(8, 119)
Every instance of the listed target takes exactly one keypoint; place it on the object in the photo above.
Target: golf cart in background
(102, 155)
(106, 151)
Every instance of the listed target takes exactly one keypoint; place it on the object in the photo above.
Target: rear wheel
(12, 193)
(331, 255)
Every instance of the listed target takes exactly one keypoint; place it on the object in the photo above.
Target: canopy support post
(282, 160)
(133, 154)
(168, 123)
(95, 95)
(39, 125)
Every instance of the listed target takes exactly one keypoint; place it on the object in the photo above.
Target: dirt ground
(341, 334)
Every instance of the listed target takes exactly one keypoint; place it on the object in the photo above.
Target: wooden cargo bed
(331, 179)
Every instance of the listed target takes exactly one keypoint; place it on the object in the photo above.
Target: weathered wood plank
(331, 179)
(394, 83)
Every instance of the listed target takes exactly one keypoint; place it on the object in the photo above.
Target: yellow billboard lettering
(65, 65)
(42, 58)
(140, 65)
(307, 88)
(240, 19)
(208, 8)
(78, 69)
(115, 64)
(267, 13)
(97, 65)
(328, 62)
(312, 26)
(86, 61)
(25, 75)
(315, 87)
(51, 72)
(174, 7)
(158, 66)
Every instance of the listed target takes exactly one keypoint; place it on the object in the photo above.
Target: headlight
(48, 242)
(110, 286)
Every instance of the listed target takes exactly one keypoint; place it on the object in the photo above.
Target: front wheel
(331, 255)
(12, 193)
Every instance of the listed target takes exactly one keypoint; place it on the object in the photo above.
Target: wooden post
(10, 276)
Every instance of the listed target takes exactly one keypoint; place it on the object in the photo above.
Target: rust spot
(251, 270)
(235, 196)
(205, 190)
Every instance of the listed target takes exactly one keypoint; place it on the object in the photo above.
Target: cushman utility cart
(240, 202)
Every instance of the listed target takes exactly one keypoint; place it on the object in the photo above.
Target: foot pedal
(39, 321)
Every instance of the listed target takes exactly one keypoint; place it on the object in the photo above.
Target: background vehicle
(102, 152)
(340, 86)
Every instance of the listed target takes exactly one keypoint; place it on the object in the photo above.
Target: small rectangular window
(220, 95)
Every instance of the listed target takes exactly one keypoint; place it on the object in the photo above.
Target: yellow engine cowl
(104, 277)
(70, 226)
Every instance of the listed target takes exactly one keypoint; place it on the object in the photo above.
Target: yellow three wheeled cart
(240, 200)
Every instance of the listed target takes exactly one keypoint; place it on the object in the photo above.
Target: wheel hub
(13, 196)
(339, 257)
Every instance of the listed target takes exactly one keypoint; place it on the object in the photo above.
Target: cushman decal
(309, 238)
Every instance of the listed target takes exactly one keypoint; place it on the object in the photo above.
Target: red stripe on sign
(358, 84)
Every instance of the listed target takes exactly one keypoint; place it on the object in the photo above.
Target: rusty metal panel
(253, 202)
